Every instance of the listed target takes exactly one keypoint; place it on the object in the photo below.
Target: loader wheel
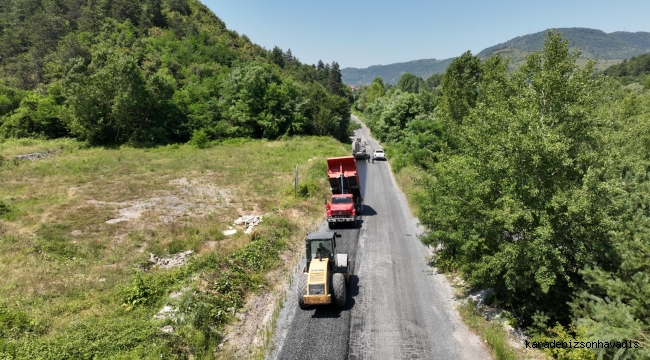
(302, 290)
(338, 287)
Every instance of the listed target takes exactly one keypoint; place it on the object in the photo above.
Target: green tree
(10, 99)
(617, 306)
(391, 115)
(434, 81)
(460, 86)
(37, 116)
(515, 204)
(334, 80)
(259, 103)
(410, 83)
(108, 100)
(277, 57)
(151, 15)
(324, 122)
(375, 90)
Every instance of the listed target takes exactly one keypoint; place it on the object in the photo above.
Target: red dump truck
(346, 203)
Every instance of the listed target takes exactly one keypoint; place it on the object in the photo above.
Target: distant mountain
(608, 49)
(392, 72)
(593, 44)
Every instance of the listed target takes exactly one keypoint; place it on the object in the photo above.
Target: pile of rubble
(170, 262)
(168, 312)
(32, 156)
(249, 221)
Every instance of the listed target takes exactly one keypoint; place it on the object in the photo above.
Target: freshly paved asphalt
(397, 307)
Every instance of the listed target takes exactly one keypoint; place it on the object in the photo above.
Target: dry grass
(82, 221)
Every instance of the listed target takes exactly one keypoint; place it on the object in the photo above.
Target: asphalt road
(397, 307)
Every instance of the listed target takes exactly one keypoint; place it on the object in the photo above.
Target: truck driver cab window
(342, 200)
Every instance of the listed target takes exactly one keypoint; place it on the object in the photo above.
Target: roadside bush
(569, 335)
(148, 289)
(308, 189)
(231, 279)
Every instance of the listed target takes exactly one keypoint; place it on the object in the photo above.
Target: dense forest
(634, 70)
(534, 182)
(152, 72)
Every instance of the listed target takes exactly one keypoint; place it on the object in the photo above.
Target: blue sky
(361, 33)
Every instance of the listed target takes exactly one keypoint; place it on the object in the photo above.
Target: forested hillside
(637, 69)
(593, 44)
(607, 49)
(533, 182)
(153, 72)
(391, 73)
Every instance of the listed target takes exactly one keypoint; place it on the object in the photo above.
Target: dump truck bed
(343, 176)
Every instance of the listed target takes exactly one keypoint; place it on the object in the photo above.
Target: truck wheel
(338, 287)
(302, 290)
(330, 225)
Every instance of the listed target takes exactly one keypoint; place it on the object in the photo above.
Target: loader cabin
(321, 244)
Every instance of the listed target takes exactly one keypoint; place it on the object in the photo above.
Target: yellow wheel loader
(325, 276)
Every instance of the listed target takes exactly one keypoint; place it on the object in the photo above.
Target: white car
(379, 154)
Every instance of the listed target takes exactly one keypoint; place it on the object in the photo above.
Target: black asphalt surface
(397, 308)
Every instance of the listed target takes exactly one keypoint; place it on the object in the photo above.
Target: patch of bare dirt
(191, 199)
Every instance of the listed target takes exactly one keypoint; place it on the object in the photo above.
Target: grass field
(78, 227)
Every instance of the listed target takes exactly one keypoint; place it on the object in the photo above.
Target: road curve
(397, 309)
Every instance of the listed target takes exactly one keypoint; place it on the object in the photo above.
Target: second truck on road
(359, 149)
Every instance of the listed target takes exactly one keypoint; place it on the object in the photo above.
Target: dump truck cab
(325, 275)
(341, 208)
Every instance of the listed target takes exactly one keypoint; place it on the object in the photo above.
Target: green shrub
(135, 338)
(176, 246)
(200, 139)
(308, 189)
(14, 323)
(148, 289)
(4, 207)
(561, 334)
